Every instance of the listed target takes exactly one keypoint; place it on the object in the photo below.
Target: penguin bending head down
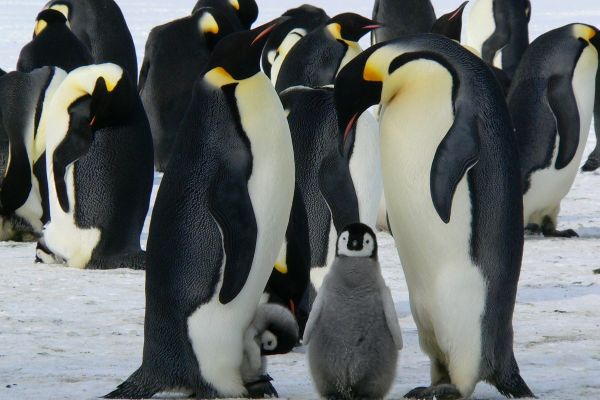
(352, 334)
(240, 13)
(217, 226)
(551, 102)
(453, 183)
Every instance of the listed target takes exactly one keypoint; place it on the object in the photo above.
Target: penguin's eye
(367, 241)
(344, 239)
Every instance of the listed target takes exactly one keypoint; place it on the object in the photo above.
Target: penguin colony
(275, 171)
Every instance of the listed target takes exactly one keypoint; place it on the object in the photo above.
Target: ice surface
(70, 334)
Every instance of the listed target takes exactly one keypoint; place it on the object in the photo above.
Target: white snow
(72, 334)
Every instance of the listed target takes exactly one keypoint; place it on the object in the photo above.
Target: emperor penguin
(352, 334)
(325, 199)
(99, 168)
(240, 13)
(498, 30)
(303, 19)
(450, 24)
(593, 161)
(454, 184)
(23, 190)
(217, 226)
(53, 44)
(401, 17)
(175, 55)
(551, 102)
(316, 59)
(101, 27)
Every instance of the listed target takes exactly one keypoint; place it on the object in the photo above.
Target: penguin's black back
(312, 62)
(101, 27)
(400, 18)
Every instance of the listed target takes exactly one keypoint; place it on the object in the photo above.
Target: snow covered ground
(70, 334)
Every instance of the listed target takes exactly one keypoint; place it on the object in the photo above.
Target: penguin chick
(273, 331)
(352, 333)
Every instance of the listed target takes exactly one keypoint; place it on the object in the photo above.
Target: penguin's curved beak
(263, 31)
(356, 89)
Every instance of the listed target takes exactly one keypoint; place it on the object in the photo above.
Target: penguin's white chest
(481, 25)
(216, 330)
(549, 186)
(278, 57)
(447, 291)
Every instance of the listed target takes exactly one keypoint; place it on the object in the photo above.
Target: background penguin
(303, 19)
(175, 55)
(101, 27)
(218, 223)
(316, 59)
(272, 331)
(23, 191)
(593, 161)
(453, 229)
(240, 13)
(324, 200)
(498, 30)
(551, 101)
(450, 24)
(99, 165)
(53, 44)
(401, 17)
(353, 335)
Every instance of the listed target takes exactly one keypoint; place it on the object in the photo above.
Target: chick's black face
(354, 26)
(357, 240)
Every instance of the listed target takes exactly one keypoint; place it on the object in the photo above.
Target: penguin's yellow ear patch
(61, 8)
(208, 24)
(281, 268)
(372, 73)
(39, 27)
(584, 31)
(219, 77)
(335, 30)
(235, 4)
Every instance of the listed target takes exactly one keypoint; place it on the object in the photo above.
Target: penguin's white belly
(216, 330)
(365, 168)
(481, 25)
(549, 186)
(62, 236)
(352, 51)
(447, 291)
(32, 211)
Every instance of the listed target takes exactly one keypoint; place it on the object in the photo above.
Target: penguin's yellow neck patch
(584, 31)
(335, 30)
(208, 24)
(219, 77)
(372, 73)
(235, 4)
(281, 268)
(39, 27)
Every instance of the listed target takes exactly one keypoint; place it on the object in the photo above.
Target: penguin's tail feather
(510, 383)
(137, 386)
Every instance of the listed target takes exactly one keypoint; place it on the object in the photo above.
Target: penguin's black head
(212, 25)
(237, 56)
(47, 18)
(357, 87)
(246, 10)
(450, 25)
(357, 240)
(350, 26)
(111, 104)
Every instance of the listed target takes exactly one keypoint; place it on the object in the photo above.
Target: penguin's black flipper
(456, 154)
(17, 183)
(231, 206)
(335, 182)
(493, 44)
(564, 106)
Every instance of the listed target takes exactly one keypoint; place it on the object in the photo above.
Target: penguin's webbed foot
(444, 391)
(568, 233)
(533, 229)
(262, 388)
(591, 164)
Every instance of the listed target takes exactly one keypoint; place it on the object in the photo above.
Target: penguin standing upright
(353, 335)
(23, 191)
(101, 27)
(175, 55)
(324, 200)
(400, 18)
(316, 59)
(453, 194)
(240, 13)
(99, 166)
(498, 30)
(53, 44)
(450, 24)
(218, 223)
(551, 102)
(303, 19)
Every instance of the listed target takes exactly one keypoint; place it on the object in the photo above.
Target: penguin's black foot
(439, 392)
(569, 233)
(262, 388)
(591, 164)
(533, 229)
